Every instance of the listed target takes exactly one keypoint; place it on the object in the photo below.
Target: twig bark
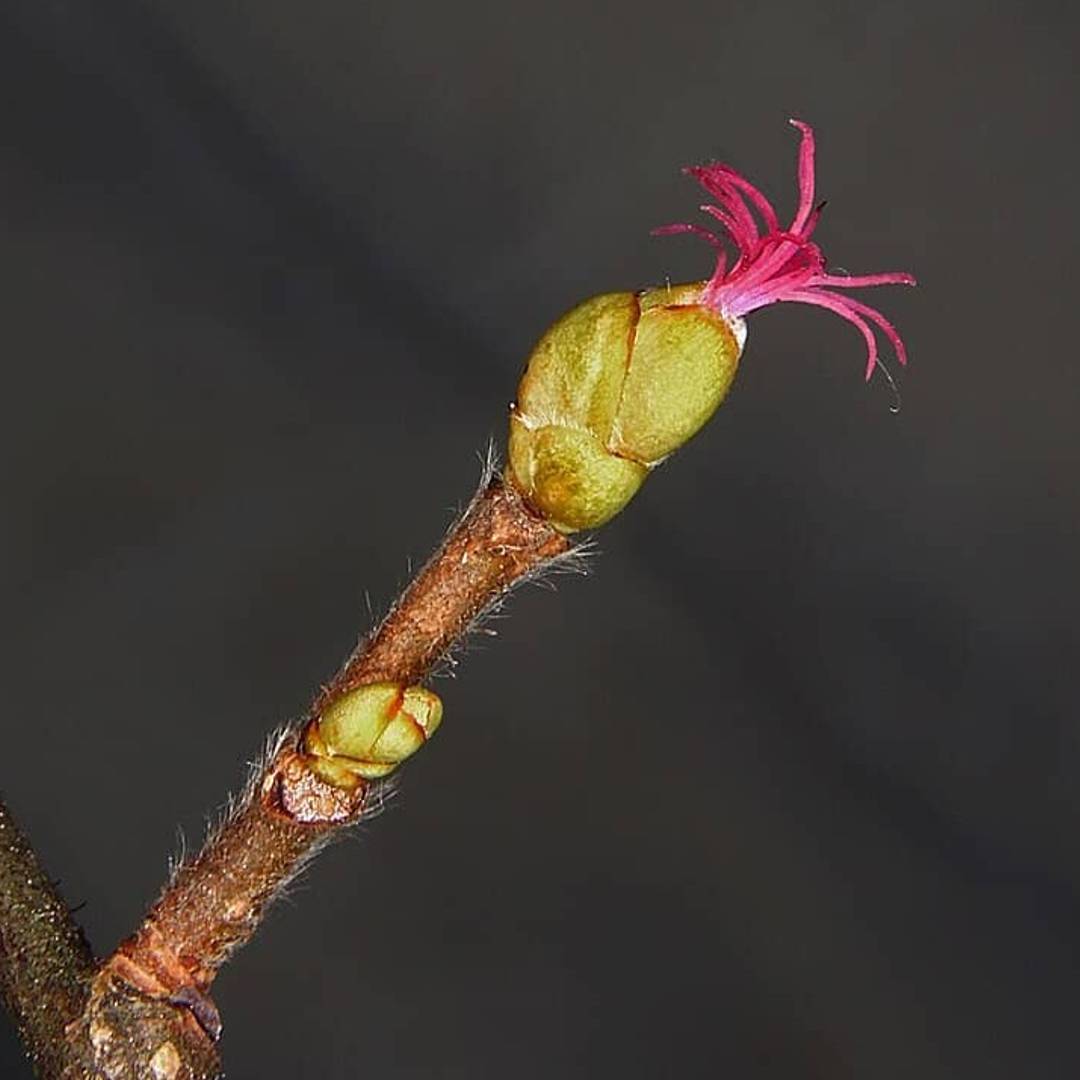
(75, 1024)
(146, 1013)
(45, 962)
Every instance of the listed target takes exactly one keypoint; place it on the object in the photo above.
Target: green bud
(681, 367)
(371, 730)
(611, 389)
(570, 477)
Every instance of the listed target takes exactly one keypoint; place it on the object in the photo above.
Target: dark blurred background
(788, 788)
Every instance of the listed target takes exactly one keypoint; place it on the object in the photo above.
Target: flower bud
(624, 379)
(370, 730)
(611, 389)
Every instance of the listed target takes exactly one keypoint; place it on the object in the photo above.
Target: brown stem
(497, 542)
(75, 1025)
(216, 901)
(45, 962)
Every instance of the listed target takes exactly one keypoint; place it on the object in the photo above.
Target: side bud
(611, 389)
(369, 731)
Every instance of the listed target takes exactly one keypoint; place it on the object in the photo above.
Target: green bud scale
(613, 388)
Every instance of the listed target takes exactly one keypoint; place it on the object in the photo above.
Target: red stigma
(775, 264)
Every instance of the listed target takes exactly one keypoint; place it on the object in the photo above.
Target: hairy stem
(45, 962)
(216, 900)
(496, 543)
(145, 1013)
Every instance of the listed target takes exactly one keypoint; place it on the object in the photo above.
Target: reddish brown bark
(145, 1013)
(216, 901)
(498, 541)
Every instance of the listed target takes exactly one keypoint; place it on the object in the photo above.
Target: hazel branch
(45, 962)
(291, 809)
(610, 391)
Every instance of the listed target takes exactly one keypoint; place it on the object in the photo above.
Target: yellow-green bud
(370, 730)
(611, 389)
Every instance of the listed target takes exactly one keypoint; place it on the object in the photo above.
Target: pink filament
(775, 264)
